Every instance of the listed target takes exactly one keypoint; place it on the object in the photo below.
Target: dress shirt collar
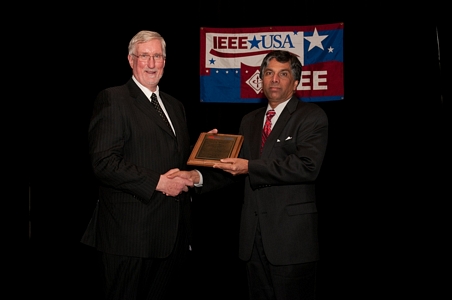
(146, 91)
(278, 109)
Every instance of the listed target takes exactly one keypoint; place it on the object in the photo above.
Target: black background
(381, 191)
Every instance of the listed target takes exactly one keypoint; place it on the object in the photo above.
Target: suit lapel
(174, 120)
(255, 139)
(279, 126)
(144, 104)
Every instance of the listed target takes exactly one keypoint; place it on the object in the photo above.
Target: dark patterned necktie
(267, 127)
(157, 106)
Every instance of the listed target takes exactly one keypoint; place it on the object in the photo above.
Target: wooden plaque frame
(211, 147)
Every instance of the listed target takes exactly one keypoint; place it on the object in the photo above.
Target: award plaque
(211, 147)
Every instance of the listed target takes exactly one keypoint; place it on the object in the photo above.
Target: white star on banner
(316, 40)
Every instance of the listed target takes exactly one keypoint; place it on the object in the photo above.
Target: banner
(231, 57)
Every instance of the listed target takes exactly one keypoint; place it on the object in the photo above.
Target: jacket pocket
(301, 208)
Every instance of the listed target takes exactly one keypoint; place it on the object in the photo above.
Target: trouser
(278, 282)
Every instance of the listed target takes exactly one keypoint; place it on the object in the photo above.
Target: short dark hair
(283, 56)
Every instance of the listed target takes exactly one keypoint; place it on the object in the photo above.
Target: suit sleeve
(107, 135)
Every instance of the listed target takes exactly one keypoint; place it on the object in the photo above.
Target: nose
(151, 61)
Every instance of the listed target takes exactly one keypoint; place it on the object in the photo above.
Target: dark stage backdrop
(386, 148)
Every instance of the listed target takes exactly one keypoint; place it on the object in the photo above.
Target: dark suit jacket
(130, 147)
(279, 189)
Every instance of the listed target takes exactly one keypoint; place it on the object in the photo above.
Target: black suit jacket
(279, 190)
(130, 147)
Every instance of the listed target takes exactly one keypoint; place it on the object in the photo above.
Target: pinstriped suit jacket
(130, 147)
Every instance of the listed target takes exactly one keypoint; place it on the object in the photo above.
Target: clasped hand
(234, 166)
(173, 186)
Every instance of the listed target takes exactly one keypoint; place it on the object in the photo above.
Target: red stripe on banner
(318, 80)
(321, 79)
(222, 54)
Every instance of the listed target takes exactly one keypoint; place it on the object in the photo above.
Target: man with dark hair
(280, 160)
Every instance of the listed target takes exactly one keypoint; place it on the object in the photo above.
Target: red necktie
(267, 127)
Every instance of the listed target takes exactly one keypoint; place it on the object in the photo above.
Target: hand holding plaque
(211, 147)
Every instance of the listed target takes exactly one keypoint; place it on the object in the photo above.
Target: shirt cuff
(201, 181)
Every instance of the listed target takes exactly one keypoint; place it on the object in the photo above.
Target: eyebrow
(283, 70)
